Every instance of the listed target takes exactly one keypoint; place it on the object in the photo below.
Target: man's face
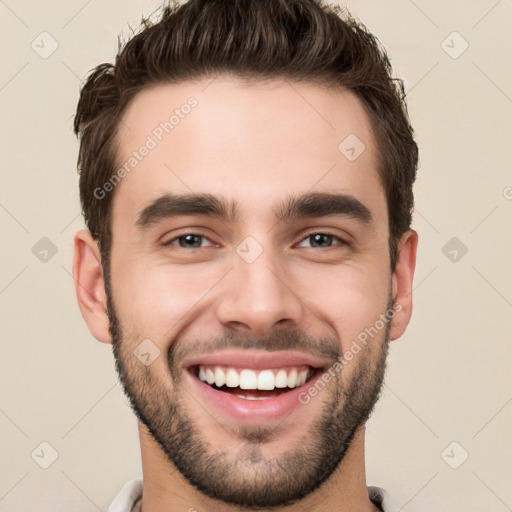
(259, 294)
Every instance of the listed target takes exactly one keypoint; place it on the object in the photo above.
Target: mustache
(326, 348)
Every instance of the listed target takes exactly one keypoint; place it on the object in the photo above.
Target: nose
(259, 296)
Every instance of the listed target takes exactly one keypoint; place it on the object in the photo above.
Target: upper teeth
(250, 379)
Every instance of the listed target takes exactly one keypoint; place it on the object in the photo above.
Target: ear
(402, 283)
(89, 285)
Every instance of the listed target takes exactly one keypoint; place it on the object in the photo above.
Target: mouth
(252, 385)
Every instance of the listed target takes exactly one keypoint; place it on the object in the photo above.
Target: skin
(255, 144)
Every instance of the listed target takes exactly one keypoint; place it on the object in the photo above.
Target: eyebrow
(309, 205)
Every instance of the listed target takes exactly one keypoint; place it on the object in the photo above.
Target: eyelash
(170, 242)
(328, 233)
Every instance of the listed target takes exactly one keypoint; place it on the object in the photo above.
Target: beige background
(449, 376)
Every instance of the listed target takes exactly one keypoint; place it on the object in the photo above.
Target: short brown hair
(298, 40)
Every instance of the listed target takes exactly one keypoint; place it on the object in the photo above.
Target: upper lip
(255, 359)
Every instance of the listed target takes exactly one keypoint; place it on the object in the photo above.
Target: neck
(165, 489)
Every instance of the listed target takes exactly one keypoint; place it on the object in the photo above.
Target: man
(246, 172)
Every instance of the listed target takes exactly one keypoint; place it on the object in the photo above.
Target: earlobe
(90, 286)
(402, 281)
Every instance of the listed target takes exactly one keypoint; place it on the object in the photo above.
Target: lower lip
(243, 410)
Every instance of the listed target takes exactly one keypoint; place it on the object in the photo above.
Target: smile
(238, 380)
(252, 385)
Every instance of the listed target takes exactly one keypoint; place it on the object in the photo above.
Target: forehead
(253, 143)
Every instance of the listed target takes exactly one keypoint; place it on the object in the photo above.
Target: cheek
(156, 301)
(349, 301)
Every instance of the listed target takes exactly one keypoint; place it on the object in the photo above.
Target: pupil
(190, 238)
(319, 237)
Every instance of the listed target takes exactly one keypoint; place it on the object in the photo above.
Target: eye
(194, 240)
(322, 240)
(188, 241)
